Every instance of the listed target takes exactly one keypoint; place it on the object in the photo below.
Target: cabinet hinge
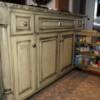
(6, 92)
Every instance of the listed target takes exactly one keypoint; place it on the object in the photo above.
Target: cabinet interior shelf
(90, 69)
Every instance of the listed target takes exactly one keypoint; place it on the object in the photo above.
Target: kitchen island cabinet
(36, 48)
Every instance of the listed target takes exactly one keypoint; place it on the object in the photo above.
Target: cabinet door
(47, 57)
(24, 56)
(66, 51)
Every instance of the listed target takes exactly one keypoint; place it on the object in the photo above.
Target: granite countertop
(5, 8)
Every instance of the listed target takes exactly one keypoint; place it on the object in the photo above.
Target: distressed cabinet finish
(47, 57)
(66, 50)
(36, 48)
(24, 61)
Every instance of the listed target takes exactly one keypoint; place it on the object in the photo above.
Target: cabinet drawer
(22, 23)
(46, 24)
(49, 24)
(79, 23)
(67, 23)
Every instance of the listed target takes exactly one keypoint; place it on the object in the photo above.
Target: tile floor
(76, 85)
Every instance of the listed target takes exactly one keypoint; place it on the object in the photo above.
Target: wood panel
(62, 5)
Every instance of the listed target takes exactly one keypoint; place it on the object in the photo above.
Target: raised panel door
(47, 59)
(66, 51)
(24, 66)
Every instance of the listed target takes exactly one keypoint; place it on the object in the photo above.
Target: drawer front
(67, 23)
(22, 23)
(49, 24)
(46, 24)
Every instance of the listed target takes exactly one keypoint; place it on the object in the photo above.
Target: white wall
(90, 5)
(51, 5)
(71, 5)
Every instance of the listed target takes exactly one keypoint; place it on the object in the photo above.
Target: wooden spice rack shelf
(88, 36)
(91, 69)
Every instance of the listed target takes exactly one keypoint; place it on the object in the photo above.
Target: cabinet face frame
(63, 37)
(21, 45)
(41, 41)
